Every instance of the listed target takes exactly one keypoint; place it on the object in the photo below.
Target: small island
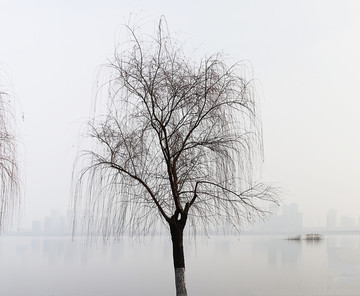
(307, 237)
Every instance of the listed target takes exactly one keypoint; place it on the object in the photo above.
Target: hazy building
(292, 219)
(36, 227)
(48, 225)
(348, 223)
(55, 224)
(331, 220)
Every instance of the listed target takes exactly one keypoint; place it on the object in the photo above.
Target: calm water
(246, 265)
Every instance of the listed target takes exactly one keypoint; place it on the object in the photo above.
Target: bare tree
(9, 173)
(176, 144)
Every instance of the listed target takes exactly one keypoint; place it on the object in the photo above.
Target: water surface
(245, 265)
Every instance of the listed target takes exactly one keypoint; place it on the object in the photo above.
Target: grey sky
(305, 56)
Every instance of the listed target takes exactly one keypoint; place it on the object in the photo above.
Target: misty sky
(305, 57)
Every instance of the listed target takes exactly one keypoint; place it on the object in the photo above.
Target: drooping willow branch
(9, 168)
(177, 137)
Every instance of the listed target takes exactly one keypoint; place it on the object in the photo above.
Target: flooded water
(246, 265)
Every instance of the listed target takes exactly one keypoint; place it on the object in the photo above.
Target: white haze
(304, 54)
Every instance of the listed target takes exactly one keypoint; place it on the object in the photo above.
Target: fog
(304, 56)
(259, 265)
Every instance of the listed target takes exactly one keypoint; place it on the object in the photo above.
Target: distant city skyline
(286, 218)
(289, 219)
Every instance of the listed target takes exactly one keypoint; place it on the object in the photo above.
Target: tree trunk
(176, 229)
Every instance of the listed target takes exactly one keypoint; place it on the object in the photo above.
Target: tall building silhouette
(290, 221)
(292, 218)
(331, 220)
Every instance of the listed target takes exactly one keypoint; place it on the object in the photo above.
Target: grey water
(219, 265)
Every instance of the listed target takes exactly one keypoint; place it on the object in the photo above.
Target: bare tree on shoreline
(176, 144)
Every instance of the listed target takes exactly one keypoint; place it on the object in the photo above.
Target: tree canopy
(178, 138)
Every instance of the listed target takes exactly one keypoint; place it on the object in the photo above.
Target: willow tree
(176, 142)
(9, 173)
